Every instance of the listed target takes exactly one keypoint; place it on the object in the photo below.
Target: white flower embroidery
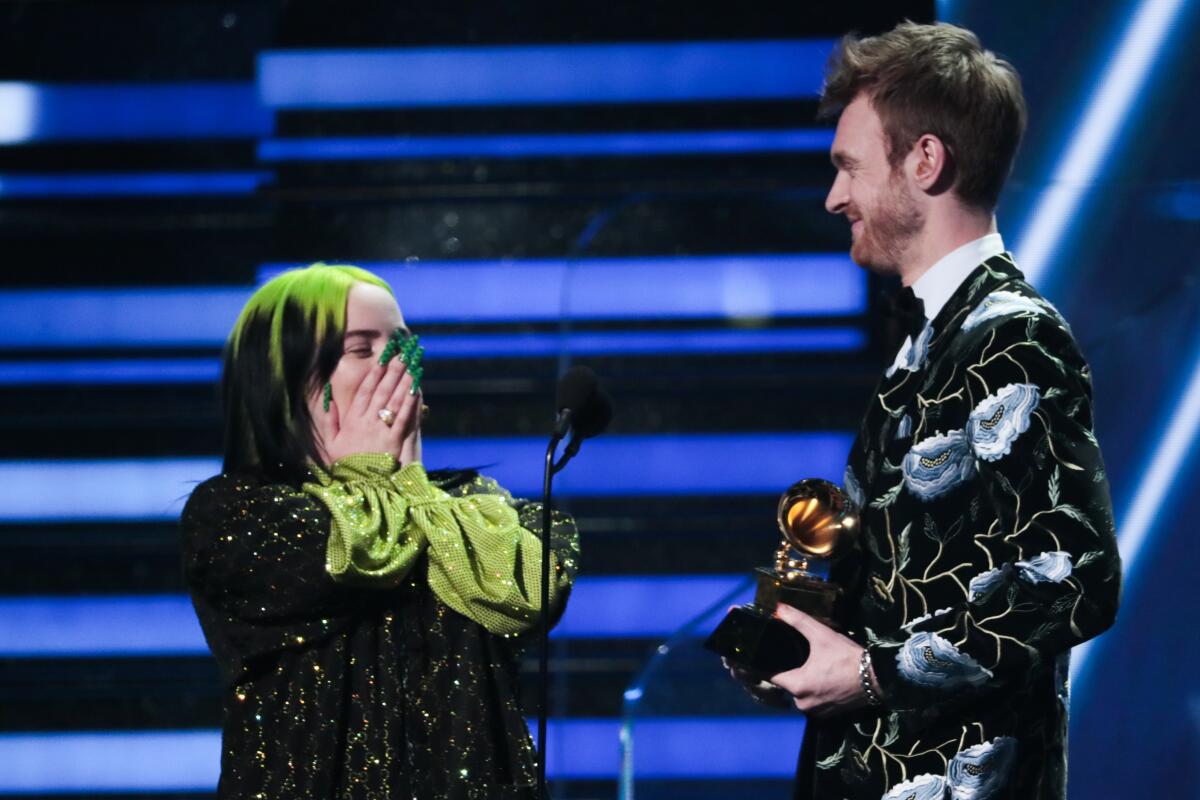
(908, 626)
(927, 659)
(913, 354)
(1000, 418)
(936, 465)
(853, 488)
(1004, 303)
(983, 584)
(979, 772)
(922, 787)
(1053, 567)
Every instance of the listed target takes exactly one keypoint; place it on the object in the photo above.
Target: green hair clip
(328, 396)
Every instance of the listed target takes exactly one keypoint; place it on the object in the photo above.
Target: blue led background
(637, 189)
(1112, 123)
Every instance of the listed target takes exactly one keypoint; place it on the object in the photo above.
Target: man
(988, 541)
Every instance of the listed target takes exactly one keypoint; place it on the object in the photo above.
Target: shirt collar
(940, 281)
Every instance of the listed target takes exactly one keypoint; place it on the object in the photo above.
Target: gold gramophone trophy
(818, 521)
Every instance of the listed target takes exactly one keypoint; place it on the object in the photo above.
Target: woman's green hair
(318, 291)
(286, 343)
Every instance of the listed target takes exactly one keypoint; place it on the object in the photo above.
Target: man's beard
(887, 230)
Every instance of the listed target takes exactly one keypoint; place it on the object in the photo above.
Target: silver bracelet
(864, 677)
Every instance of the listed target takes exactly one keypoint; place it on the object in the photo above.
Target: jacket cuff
(371, 468)
(883, 664)
(412, 482)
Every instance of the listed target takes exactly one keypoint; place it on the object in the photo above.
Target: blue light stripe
(685, 748)
(450, 347)
(109, 762)
(730, 287)
(138, 762)
(117, 489)
(667, 287)
(33, 112)
(136, 626)
(107, 318)
(125, 371)
(150, 184)
(611, 466)
(644, 606)
(1141, 522)
(605, 343)
(543, 145)
(1096, 135)
(116, 626)
(543, 74)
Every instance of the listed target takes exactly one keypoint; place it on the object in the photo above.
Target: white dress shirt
(936, 287)
(942, 280)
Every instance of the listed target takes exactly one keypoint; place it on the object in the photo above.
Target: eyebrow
(841, 160)
(368, 333)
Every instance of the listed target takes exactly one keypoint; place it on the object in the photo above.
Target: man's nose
(835, 201)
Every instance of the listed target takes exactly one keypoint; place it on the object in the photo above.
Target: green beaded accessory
(391, 348)
(328, 397)
(411, 353)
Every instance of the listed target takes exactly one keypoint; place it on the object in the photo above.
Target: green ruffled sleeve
(483, 562)
(369, 541)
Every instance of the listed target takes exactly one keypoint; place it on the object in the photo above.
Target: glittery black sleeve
(254, 557)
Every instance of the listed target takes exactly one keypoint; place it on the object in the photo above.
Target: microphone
(584, 409)
(577, 389)
(592, 420)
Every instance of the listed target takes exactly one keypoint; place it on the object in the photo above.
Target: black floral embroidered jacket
(988, 552)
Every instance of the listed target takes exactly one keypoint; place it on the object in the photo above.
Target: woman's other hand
(362, 428)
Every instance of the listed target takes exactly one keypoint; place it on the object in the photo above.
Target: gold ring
(424, 411)
(387, 416)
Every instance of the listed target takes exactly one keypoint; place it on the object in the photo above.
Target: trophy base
(810, 594)
(757, 641)
(753, 638)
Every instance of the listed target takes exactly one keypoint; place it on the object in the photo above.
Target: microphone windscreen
(576, 388)
(595, 417)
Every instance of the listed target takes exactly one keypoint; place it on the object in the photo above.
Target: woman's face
(371, 316)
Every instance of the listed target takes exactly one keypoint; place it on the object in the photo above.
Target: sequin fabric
(483, 562)
(341, 691)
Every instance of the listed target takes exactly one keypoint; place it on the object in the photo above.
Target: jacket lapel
(884, 425)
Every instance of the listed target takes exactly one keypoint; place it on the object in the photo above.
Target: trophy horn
(817, 518)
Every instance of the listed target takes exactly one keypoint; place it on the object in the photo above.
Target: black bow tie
(908, 311)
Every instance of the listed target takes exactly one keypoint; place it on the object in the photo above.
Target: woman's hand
(410, 448)
(361, 429)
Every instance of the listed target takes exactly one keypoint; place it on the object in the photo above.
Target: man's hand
(828, 683)
(758, 687)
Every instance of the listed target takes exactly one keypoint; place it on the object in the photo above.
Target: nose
(836, 200)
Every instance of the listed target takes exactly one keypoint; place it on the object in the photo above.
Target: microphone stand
(560, 430)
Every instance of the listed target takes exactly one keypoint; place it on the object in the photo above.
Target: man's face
(883, 214)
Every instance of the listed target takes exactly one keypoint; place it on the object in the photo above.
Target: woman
(367, 616)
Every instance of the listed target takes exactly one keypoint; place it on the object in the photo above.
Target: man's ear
(930, 165)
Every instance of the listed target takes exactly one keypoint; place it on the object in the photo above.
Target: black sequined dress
(333, 691)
